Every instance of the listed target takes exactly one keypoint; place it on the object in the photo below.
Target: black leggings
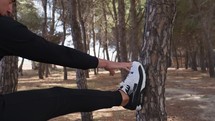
(44, 104)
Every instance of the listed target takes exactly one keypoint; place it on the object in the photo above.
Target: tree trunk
(193, 62)
(76, 34)
(202, 56)
(133, 31)
(186, 59)
(157, 34)
(42, 66)
(20, 67)
(207, 29)
(105, 31)
(34, 65)
(210, 62)
(116, 31)
(8, 75)
(176, 55)
(94, 42)
(65, 75)
(41, 70)
(122, 35)
(83, 31)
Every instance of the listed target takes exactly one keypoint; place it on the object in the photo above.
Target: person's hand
(112, 66)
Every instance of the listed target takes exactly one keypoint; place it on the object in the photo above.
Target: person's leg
(41, 105)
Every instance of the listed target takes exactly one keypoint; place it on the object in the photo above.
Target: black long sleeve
(16, 39)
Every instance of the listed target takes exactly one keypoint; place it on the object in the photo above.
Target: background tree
(64, 18)
(77, 40)
(193, 39)
(42, 66)
(122, 34)
(207, 30)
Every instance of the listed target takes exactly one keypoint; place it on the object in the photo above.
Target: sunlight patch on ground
(102, 115)
(195, 78)
(186, 97)
(179, 77)
(182, 94)
(174, 118)
(59, 84)
(170, 68)
(191, 97)
(30, 81)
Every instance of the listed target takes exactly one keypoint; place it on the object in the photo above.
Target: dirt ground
(190, 96)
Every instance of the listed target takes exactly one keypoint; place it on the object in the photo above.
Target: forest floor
(190, 96)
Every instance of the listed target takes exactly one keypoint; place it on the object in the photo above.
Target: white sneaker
(133, 85)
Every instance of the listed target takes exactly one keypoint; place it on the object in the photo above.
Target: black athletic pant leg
(44, 104)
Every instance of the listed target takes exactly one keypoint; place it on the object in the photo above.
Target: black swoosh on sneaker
(137, 90)
(138, 94)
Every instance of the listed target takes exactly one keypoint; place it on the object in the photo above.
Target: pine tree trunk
(41, 70)
(8, 75)
(116, 32)
(207, 31)
(186, 59)
(194, 63)
(105, 31)
(211, 62)
(76, 34)
(202, 57)
(65, 75)
(133, 31)
(20, 67)
(94, 43)
(83, 31)
(176, 55)
(157, 34)
(122, 35)
(42, 66)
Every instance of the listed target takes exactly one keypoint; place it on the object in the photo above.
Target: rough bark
(83, 32)
(202, 56)
(133, 31)
(194, 62)
(157, 34)
(8, 75)
(105, 45)
(42, 66)
(186, 59)
(116, 32)
(94, 42)
(20, 70)
(122, 34)
(65, 74)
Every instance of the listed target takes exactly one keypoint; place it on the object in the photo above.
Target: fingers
(111, 67)
(126, 66)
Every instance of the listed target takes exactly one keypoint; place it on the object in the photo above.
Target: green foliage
(28, 15)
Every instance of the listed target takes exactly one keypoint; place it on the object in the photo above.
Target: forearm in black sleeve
(18, 40)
